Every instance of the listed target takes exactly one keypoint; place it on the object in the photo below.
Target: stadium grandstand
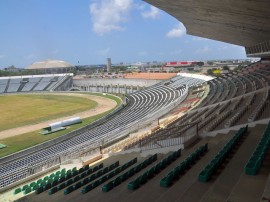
(34, 83)
(189, 137)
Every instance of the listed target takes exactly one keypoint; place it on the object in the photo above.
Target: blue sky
(89, 31)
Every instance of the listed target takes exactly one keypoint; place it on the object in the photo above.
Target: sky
(86, 32)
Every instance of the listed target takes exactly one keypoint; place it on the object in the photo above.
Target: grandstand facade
(34, 83)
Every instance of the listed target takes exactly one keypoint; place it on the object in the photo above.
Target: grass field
(20, 110)
(20, 142)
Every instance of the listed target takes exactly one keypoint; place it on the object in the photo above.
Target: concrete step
(230, 174)
(253, 188)
(188, 188)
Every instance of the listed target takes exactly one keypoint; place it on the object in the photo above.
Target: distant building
(109, 64)
(51, 66)
(181, 64)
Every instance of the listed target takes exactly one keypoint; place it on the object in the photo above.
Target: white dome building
(51, 66)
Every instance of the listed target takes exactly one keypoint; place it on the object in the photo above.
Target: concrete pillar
(125, 89)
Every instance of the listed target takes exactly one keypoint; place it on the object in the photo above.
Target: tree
(210, 71)
(200, 63)
(225, 68)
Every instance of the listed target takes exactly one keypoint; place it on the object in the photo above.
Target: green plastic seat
(27, 190)
(39, 181)
(87, 188)
(68, 190)
(95, 184)
(134, 184)
(25, 187)
(77, 185)
(69, 182)
(18, 190)
(35, 187)
(61, 186)
(39, 190)
(107, 187)
(52, 190)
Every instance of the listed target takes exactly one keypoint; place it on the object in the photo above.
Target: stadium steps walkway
(266, 192)
(253, 188)
(188, 188)
(7, 86)
(231, 174)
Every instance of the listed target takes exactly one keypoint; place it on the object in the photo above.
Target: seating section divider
(216, 162)
(186, 164)
(113, 183)
(254, 163)
(108, 176)
(154, 170)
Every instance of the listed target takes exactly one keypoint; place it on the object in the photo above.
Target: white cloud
(104, 52)
(107, 15)
(153, 13)
(178, 31)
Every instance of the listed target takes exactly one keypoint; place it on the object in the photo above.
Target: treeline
(15, 73)
(22, 72)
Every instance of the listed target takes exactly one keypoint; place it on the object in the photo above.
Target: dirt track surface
(104, 104)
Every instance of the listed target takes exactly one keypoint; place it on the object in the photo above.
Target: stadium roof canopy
(241, 22)
(49, 64)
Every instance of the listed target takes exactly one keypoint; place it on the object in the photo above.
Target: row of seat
(67, 179)
(41, 182)
(83, 175)
(80, 181)
(186, 164)
(113, 183)
(108, 176)
(254, 164)
(216, 162)
(154, 170)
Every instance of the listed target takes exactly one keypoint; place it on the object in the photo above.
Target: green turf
(20, 142)
(20, 110)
